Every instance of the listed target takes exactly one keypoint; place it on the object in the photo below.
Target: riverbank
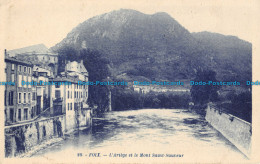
(40, 147)
(50, 143)
(24, 139)
(234, 129)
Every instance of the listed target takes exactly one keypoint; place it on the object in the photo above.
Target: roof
(76, 67)
(39, 69)
(14, 60)
(64, 79)
(38, 49)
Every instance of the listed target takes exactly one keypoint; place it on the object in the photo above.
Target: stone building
(18, 98)
(38, 55)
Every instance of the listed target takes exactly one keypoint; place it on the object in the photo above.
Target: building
(41, 76)
(25, 102)
(38, 55)
(48, 93)
(18, 98)
(67, 97)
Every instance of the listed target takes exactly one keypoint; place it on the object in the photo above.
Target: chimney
(66, 70)
(81, 61)
(6, 55)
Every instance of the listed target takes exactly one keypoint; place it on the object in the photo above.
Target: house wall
(18, 76)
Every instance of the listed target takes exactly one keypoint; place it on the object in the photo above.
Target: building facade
(68, 96)
(48, 94)
(18, 97)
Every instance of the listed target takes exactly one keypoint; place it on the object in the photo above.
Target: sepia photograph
(89, 81)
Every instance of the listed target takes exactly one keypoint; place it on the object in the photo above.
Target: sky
(29, 22)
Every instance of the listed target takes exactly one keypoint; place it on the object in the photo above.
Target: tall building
(18, 97)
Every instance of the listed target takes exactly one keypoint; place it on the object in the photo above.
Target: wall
(236, 130)
(22, 138)
(81, 119)
(85, 118)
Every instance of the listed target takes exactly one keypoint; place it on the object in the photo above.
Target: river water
(176, 133)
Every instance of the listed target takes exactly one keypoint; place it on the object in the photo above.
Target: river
(175, 132)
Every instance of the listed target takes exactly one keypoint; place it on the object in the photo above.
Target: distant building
(158, 89)
(38, 55)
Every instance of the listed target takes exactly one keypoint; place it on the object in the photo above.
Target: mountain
(157, 47)
(232, 56)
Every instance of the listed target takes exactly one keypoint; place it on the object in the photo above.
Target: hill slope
(157, 47)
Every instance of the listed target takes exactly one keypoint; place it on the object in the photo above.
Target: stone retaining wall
(236, 130)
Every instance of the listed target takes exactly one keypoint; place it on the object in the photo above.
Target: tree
(66, 53)
(202, 94)
(98, 68)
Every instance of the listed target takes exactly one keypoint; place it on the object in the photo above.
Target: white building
(67, 96)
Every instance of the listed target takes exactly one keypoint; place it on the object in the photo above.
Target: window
(26, 114)
(20, 68)
(70, 106)
(57, 94)
(57, 86)
(29, 98)
(32, 112)
(24, 98)
(5, 98)
(29, 70)
(12, 67)
(19, 97)
(29, 80)
(19, 114)
(20, 78)
(24, 69)
(11, 114)
(12, 77)
(75, 94)
(25, 79)
(34, 96)
(11, 98)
